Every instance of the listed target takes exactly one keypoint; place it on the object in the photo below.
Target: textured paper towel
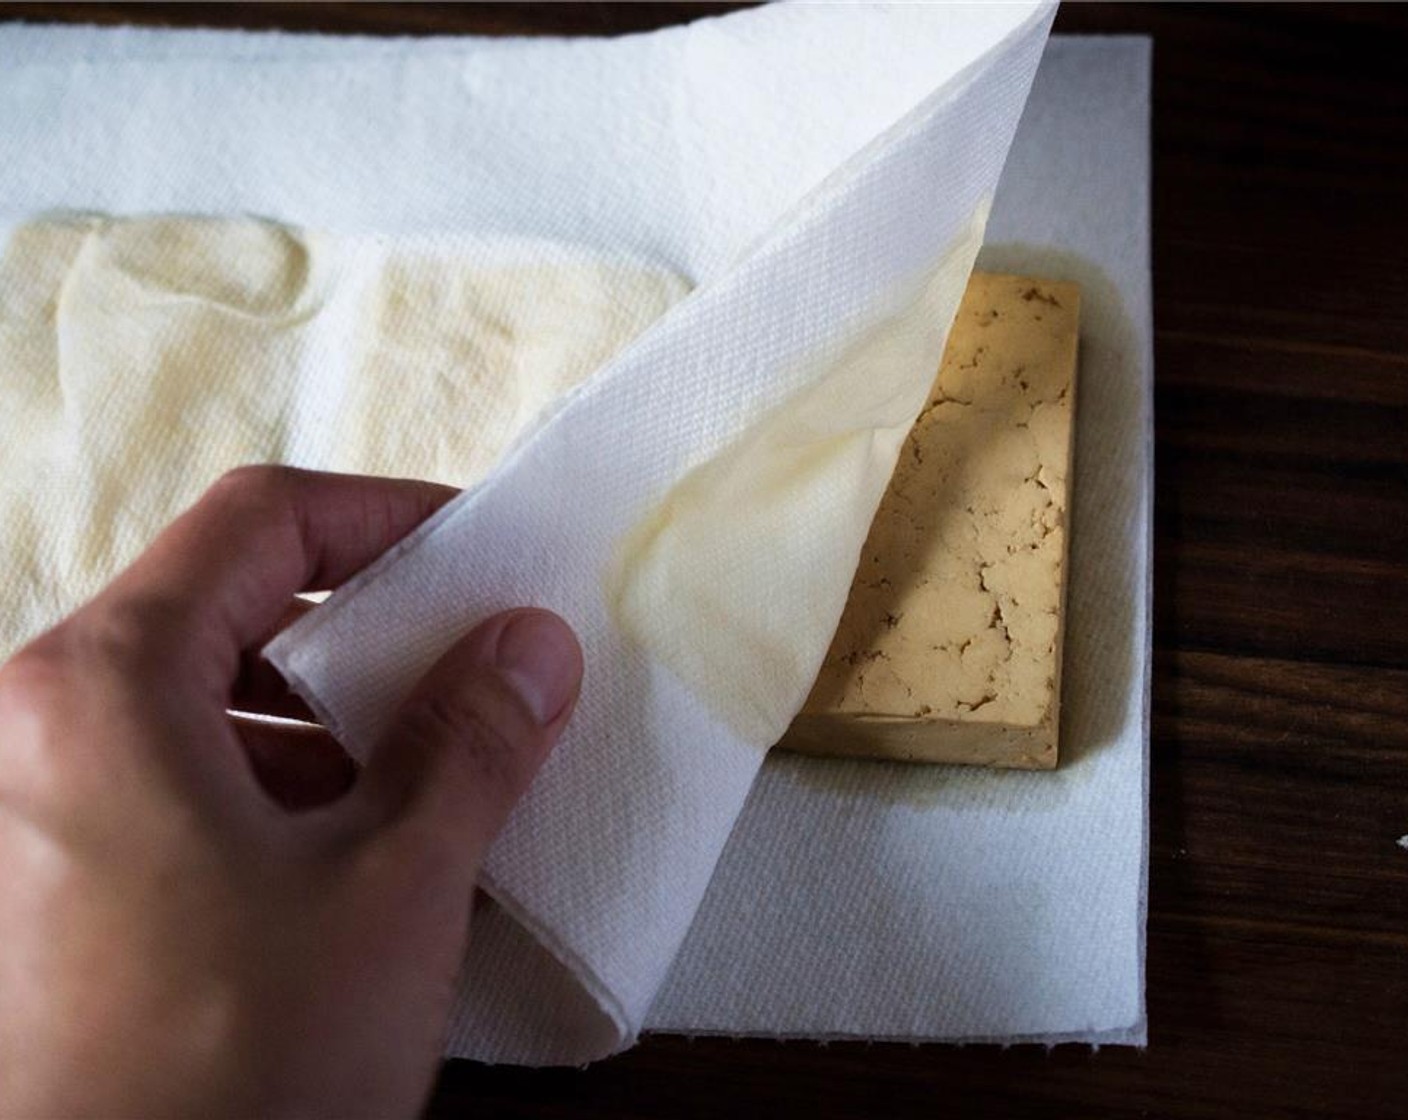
(874, 900)
(719, 476)
(696, 203)
(141, 357)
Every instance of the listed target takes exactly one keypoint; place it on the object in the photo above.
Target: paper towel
(625, 144)
(143, 356)
(837, 318)
(874, 900)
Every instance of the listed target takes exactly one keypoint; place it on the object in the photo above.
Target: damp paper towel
(822, 175)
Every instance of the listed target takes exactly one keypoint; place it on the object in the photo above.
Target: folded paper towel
(598, 877)
(704, 560)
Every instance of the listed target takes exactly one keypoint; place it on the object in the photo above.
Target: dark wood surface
(1278, 925)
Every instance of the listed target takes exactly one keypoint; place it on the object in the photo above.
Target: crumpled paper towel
(801, 355)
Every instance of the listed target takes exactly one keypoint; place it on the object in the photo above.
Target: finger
(221, 575)
(260, 688)
(300, 767)
(468, 741)
(293, 610)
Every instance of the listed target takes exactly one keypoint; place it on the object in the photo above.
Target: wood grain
(1278, 932)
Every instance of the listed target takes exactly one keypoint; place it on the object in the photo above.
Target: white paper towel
(642, 145)
(880, 901)
(877, 900)
(837, 317)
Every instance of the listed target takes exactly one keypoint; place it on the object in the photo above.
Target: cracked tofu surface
(949, 646)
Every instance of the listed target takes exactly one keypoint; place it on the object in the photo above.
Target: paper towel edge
(1146, 74)
(1135, 1035)
(581, 972)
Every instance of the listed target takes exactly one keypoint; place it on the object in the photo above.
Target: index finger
(221, 575)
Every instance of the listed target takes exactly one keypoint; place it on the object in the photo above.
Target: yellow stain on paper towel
(737, 579)
(140, 358)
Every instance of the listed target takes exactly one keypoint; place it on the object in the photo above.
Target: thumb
(470, 737)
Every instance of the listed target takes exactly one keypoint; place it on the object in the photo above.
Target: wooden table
(1278, 923)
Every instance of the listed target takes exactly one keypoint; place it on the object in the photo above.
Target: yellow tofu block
(949, 649)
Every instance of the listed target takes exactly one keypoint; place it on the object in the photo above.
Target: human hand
(204, 918)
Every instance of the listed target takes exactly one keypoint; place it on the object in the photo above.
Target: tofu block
(949, 649)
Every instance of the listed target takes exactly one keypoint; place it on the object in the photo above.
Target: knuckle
(133, 632)
(249, 482)
(64, 701)
(37, 697)
(31, 682)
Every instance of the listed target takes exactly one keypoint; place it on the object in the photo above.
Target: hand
(199, 917)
